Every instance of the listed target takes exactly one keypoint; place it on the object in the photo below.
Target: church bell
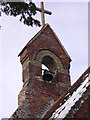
(47, 76)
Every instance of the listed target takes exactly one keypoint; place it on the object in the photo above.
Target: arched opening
(49, 63)
(48, 68)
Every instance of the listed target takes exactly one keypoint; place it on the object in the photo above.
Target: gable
(46, 39)
(48, 33)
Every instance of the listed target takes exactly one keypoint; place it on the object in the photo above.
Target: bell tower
(42, 86)
(39, 90)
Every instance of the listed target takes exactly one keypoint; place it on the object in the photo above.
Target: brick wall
(84, 111)
(39, 93)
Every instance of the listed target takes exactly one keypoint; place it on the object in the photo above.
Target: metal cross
(42, 13)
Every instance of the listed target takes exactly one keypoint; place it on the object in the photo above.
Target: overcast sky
(70, 23)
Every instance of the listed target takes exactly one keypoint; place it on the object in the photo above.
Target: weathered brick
(39, 94)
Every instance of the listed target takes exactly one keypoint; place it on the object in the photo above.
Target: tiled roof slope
(72, 101)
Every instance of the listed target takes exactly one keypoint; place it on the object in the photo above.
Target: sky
(69, 20)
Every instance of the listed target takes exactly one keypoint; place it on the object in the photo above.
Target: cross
(42, 13)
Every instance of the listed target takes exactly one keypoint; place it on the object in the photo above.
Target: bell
(47, 75)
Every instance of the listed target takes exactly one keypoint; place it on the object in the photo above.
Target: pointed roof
(42, 29)
(66, 106)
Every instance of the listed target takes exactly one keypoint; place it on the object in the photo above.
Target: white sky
(70, 23)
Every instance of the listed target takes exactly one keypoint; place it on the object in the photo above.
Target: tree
(25, 10)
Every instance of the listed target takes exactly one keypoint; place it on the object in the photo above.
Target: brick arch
(58, 66)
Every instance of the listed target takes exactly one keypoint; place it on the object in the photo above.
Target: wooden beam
(42, 13)
(45, 11)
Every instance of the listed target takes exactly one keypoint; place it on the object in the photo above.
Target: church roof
(71, 102)
(42, 29)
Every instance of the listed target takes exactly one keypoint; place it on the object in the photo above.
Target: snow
(63, 110)
(86, 75)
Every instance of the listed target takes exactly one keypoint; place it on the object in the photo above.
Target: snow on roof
(64, 109)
